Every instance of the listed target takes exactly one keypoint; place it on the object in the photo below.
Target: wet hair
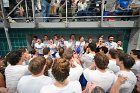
(136, 52)
(61, 51)
(46, 50)
(14, 57)
(104, 49)
(98, 89)
(110, 36)
(36, 65)
(60, 69)
(92, 46)
(127, 60)
(49, 62)
(33, 52)
(23, 49)
(68, 53)
(113, 53)
(101, 60)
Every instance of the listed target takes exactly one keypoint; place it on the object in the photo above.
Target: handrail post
(66, 24)
(6, 25)
(102, 13)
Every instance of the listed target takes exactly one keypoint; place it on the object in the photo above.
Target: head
(15, 57)
(45, 37)
(37, 65)
(25, 53)
(56, 37)
(51, 41)
(92, 47)
(90, 40)
(33, 52)
(68, 53)
(98, 89)
(113, 53)
(81, 38)
(125, 61)
(49, 63)
(46, 51)
(100, 40)
(110, 38)
(61, 51)
(2, 62)
(135, 54)
(35, 38)
(104, 49)
(60, 69)
(39, 41)
(72, 36)
(119, 43)
(101, 61)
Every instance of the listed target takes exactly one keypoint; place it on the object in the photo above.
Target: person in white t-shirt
(60, 71)
(87, 58)
(110, 44)
(15, 70)
(33, 83)
(125, 62)
(112, 61)
(101, 77)
(136, 55)
(80, 45)
(72, 42)
(39, 47)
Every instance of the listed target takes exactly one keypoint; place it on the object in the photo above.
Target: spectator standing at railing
(54, 7)
(82, 8)
(62, 9)
(46, 8)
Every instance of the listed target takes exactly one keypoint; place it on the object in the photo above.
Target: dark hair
(61, 51)
(98, 89)
(33, 51)
(35, 37)
(46, 50)
(14, 57)
(37, 64)
(113, 53)
(136, 52)
(23, 49)
(72, 35)
(110, 36)
(80, 37)
(127, 60)
(92, 46)
(104, 49)
(60, 69)
(101, 60)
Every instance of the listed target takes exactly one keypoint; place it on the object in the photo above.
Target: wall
(19, 36)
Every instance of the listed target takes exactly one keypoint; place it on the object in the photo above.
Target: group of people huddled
(60, 66)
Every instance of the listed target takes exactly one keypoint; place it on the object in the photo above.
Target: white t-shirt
(136, 66)
(39, 47)
(13, 75)
(113, 67)
(129, 84)
(111, 45)
(72, 87)
(75, 72)
(104, 80)
(87, 60)
(31, 84)
(81, 45)
(82, 6)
